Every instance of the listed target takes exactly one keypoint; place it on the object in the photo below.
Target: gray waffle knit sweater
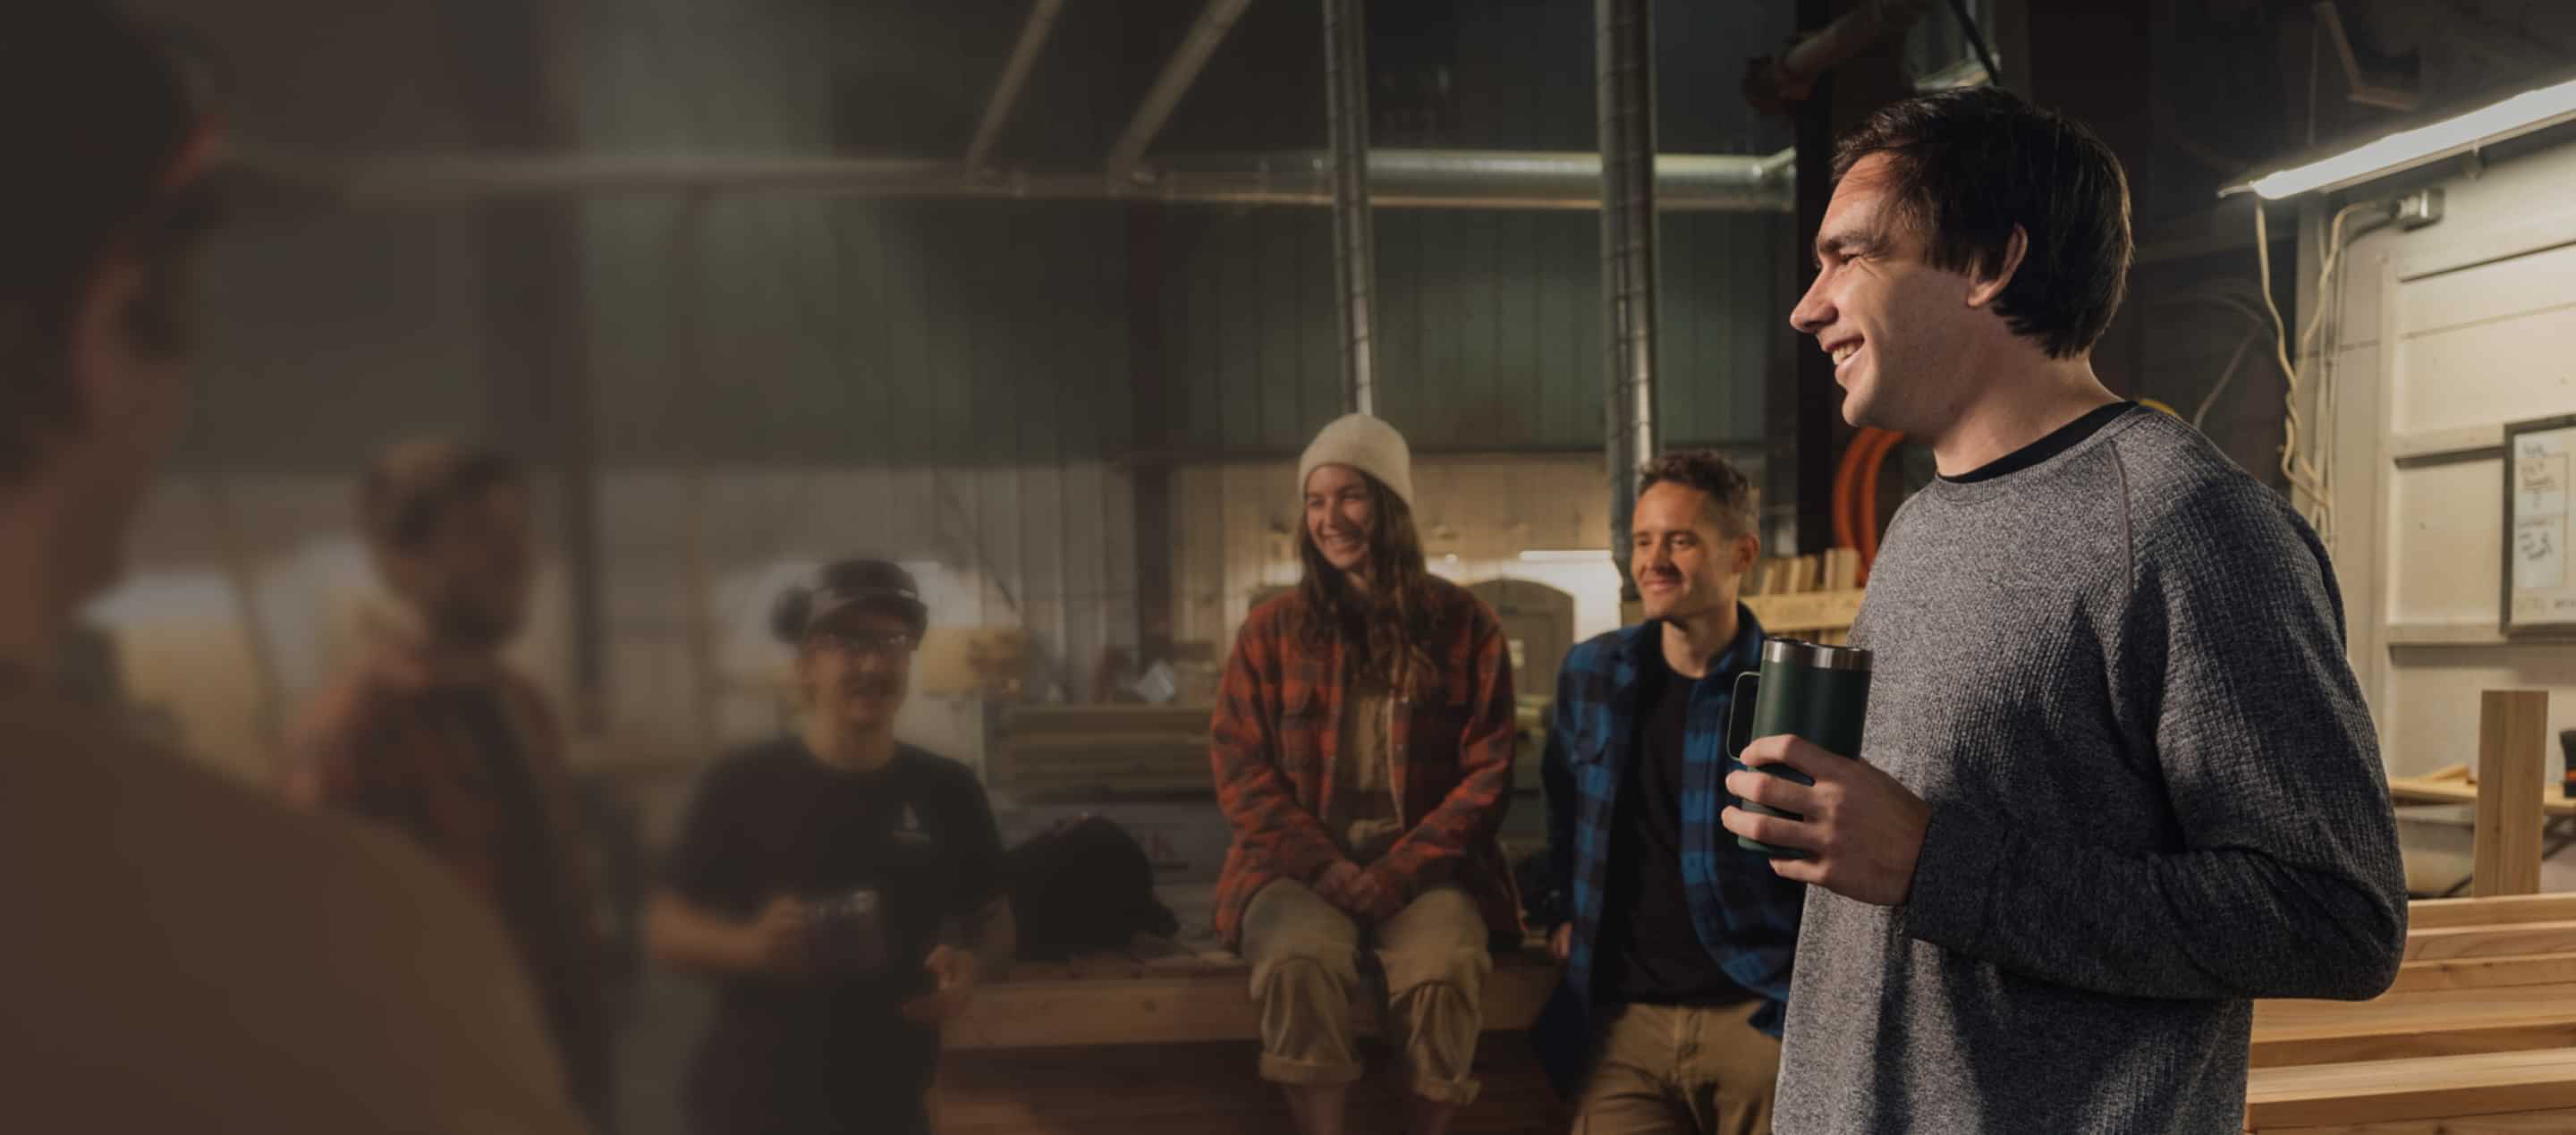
(2118, 678)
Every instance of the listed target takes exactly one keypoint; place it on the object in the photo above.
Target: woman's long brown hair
(1390, 621)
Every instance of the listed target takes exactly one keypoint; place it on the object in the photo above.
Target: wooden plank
(2491, 941)
(2294, 1033)
(2553, 1122)
(1096, 1001)
(1113, 717)
(2508, 972)
(2433, 1087)
(2464, 441)
(1813, 611)
(1842, 569)
(2433, 790)
(2513, 728)
(2503, 910)
(2424, 633)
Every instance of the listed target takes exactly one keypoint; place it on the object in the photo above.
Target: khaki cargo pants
(1305, 956)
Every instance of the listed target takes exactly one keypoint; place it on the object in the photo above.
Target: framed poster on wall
(2539, 516)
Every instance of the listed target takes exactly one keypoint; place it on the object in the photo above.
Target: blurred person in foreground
(433, 734)
(1363, 755)
(844, 888)
(182, 953)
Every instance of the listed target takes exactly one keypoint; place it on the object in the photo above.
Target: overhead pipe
(1015, 76)
(1398, 178)
(1354, 238)
(1179, 73)
(1623, 45)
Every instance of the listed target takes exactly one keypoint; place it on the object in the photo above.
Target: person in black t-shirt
(813, 877)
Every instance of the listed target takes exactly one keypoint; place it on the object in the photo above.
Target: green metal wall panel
(1489, 327)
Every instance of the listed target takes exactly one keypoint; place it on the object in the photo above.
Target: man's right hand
(775, 941)
(1561, 941)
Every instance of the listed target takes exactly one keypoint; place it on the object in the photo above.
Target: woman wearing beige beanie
(1363, 755)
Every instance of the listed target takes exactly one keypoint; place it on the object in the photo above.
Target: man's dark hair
(1965, 166)
(104, 141)
(1730, 495)
(409, 489)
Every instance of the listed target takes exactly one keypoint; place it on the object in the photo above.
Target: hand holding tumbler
(1805, 689)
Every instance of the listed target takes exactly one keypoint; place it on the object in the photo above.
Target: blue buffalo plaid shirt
(1747, 917)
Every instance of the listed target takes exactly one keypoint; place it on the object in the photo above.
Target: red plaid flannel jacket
(1277, 726)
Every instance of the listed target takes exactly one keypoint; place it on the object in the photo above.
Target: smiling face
(1904, 336)
(1686, 563)
(857, 667)
(1340, 513)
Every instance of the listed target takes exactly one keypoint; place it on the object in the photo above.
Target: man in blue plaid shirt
(1678, 952)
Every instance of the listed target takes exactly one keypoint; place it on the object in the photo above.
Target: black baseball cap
(842, 586)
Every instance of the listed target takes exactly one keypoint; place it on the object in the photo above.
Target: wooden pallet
(1812, 597)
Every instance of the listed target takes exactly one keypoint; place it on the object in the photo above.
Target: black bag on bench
(1083, 886)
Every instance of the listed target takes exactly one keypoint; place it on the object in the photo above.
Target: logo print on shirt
(910, 831)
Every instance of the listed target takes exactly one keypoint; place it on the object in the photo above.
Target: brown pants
(1665, 1070)
(1305, 966)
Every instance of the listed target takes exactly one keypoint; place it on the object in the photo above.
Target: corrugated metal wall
(1489, 328)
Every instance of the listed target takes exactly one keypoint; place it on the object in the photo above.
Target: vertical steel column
(1354, 238)
(1623, 47)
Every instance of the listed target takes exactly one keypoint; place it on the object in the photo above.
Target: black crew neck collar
(2058, 441)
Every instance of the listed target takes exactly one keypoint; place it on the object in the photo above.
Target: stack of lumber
(2477, 1034)
(1811, 597)
(1090, 751)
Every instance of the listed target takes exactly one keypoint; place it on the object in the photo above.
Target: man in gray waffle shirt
(2117, 779)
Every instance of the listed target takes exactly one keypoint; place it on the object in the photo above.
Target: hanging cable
(2301, 477)
(2234, 361)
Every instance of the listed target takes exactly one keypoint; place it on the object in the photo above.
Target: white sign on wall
(2539, 590)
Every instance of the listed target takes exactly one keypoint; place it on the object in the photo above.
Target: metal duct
(1354, 238)
(1623, 44)
(1412, 179)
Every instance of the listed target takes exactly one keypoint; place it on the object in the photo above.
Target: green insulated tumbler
(1807, 689)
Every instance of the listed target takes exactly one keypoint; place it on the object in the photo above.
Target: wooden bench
(1160, 1040)
(1183, 995)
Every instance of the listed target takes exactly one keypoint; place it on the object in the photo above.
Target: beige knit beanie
(1366, 444)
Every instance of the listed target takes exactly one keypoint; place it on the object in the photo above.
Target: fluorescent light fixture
(1565, 555)
(2407, 149)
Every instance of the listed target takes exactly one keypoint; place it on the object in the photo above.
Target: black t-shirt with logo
(914, 840)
